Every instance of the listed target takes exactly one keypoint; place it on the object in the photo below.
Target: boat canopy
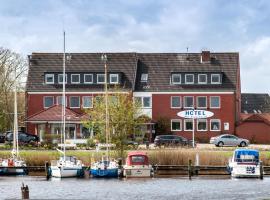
(137, 158)
(246, 155)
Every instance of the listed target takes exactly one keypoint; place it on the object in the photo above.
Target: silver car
(229, 140)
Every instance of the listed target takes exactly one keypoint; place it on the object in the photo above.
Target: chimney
(205, 57)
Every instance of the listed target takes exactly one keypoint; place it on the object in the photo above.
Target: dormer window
(215, 79)
(88, 78)
(49, 78)
(144, 78)
(189, 78)
(114, 79)
(202, 78)
(75, 78)
(176, 79)
(60, 78)
(101, 78)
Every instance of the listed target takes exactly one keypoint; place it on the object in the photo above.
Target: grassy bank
(162, 157)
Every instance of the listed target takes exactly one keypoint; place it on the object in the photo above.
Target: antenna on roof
(187, 49)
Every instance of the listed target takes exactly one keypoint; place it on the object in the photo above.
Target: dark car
(2, 138)
(171, 140)
(23, 137)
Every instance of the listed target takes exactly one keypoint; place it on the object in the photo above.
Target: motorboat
(137, 165)
(66, 166)
(105, 168)
(245, 163)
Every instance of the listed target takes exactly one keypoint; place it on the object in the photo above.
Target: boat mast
(15, 125)
(104, 59)
(64, 97)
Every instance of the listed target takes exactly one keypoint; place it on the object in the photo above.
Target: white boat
(14, 165)
(66, 166)
(137, 165)
(245, 163)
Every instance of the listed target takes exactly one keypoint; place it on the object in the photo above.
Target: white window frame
(172, 102)
(188, 120)
(70, 101)
(44, 101)
(98, 75)
(186, 78)
(117, 76)
(87, 81)
(215, 120)
(144, 77)
(176, 83)
(46, 75)
(219, 76)
(197, 101)
(184, 102)
(91, 97)
(75, 82)
(57, 100)
(211, 102)
(176, 120)
(150, 102)
(200, 120)
(199, 78)
(62, 81)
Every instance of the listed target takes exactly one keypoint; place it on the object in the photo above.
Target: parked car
(171, 140)
(2, 138)
(229, 140)
(23, 137)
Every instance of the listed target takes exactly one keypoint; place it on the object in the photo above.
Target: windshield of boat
(69, 158)
(247, 156)
(137, 159)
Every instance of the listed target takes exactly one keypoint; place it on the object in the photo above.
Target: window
(188, 102)
(188, 124)
(176, 79)
(215, 124)
(88, 78)
(189, 78)
(215, 79)
(59, 100)
(214, 102)
(75, 78)
(74, 102)
(87, 102)
(175, 102)
(201, 124)
(144, 102)
(176, 125)
(201, 102)
(48, 102)
(101, 78)
(114, 78)
(49, 78)
(202, 78)
(144, 78)
(60, 78)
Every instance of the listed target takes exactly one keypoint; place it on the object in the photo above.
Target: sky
(144, 26)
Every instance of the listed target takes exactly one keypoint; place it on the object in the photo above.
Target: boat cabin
(246, 156)
(137, 158)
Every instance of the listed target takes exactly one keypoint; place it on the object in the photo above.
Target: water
(156, 188)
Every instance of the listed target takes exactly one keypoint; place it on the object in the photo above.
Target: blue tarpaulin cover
(247, 154)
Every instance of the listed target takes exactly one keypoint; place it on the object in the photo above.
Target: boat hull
(65, 172)
(110, 173)
(13, 171)
(137, 172)
(244, 171)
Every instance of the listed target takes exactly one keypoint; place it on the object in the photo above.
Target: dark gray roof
(255, 103)
(40, 63)
(159, 67)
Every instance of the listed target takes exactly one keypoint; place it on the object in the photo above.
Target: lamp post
(104, 59)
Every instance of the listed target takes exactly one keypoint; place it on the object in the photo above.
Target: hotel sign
(195, 114)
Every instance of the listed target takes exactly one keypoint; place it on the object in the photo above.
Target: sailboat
(14, 165)
(105, 167)
(66, 166)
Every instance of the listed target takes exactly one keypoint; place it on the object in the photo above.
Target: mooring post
(47, 170)
(120, 168)
(261, 170)
(189, 169)
(25, 191)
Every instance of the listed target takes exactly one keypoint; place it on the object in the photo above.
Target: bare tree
(11, 62)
